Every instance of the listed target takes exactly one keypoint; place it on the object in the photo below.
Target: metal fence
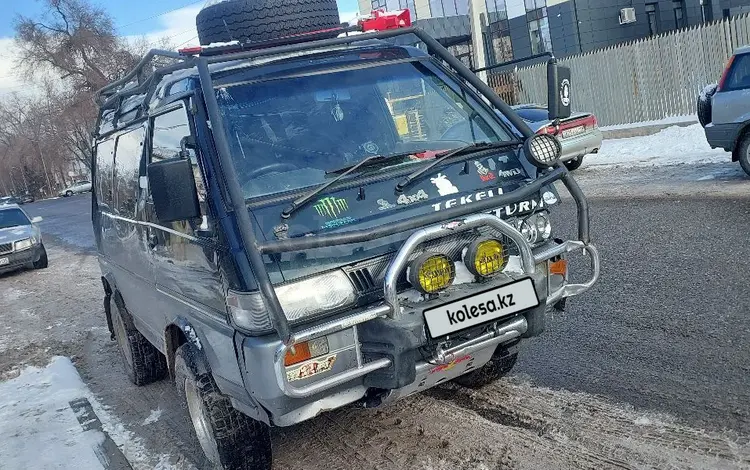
(643, 80)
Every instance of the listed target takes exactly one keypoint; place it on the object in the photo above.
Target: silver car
(724, 109)
(76, 188)
(20, 240)
(579, 134)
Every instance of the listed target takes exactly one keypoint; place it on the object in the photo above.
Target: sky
(174, 19)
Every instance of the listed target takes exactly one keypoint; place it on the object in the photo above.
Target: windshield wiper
(440, 158)
(304, 199)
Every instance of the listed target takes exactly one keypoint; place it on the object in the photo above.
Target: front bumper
(382, 347)
(20, 259)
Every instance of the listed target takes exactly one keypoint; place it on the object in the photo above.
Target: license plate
(481, 308)
(4, 261)
(573, 132)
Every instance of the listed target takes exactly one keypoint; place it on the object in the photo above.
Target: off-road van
(289, 226)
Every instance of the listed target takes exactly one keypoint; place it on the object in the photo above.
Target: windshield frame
(478, 107)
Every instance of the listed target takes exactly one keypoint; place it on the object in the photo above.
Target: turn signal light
(306, 350)
(559, 267)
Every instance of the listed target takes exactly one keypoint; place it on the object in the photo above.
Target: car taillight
(725, 74)
(589, 122)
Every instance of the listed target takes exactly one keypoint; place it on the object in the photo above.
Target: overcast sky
(174, 19)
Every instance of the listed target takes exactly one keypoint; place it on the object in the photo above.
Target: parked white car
(76, 188)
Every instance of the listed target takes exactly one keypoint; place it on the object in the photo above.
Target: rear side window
(127, 170)
(739, 77)
(105, 156)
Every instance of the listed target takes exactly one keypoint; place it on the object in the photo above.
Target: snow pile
(38, 427)
(658, 122)
(672, 146)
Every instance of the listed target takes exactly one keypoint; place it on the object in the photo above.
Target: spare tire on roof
(264, 20)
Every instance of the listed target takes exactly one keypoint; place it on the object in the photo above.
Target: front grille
(6, 248)
(362, 280)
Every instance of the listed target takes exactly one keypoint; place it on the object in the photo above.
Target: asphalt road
(666, 327)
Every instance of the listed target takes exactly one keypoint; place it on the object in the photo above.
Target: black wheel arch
(177, 333)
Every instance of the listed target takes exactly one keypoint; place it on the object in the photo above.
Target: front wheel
(42, 262)
(229, 439)
(574, 163)
(68, 193)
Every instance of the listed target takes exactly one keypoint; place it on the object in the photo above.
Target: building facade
(488, 32)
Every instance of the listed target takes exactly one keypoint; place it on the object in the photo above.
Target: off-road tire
(241, 443)
(264, 20)
(143, 363)
(574, 163)
(43, 262)
(500, 365)
(704, 105)
(743, 152)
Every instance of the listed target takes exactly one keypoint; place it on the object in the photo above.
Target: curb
(641, 131)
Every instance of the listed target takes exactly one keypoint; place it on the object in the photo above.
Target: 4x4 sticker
(314, 367)
(384, 205)
(331, 206)
(405, 199)
(484, 174)
(443, 185)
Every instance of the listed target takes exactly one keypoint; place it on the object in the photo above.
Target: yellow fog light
(485, 257)
(431, 272)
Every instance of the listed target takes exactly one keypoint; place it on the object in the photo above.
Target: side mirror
(173, 190)
(558, 90)
(36, 220)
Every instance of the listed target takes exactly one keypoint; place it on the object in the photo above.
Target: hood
(12, 234)
(376, 203)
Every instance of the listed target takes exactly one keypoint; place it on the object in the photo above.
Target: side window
(105, 154)
(128, 155)
(740, 77)
(168, 130)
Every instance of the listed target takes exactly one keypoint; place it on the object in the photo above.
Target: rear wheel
(501, 364)
(574, 163)
(68, 193)
(229, 439)
(264, 20)
(743, 152)
(704, 104)
(143, 363)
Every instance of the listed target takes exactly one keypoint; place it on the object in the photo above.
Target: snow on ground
(40, 430)
(672, 146)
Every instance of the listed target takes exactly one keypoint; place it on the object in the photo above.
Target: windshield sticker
(338, 222)
(331, 206)
(443, 185)
(314, 367)
(471, 198)
(405, 199)
(370, 147)
(385, 205)
(484, 174)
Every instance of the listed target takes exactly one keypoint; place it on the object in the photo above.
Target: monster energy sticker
(331, 207)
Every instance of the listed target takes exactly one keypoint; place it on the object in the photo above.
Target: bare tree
(75, 39)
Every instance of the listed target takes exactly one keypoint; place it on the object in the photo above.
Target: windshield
(12, 218)
(287, 133)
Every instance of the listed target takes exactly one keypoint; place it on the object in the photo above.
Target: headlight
(543, 150)
(22, 244)
(543, 226)
(299, 300)
(529, 232)
(431, 272)
(485, 257)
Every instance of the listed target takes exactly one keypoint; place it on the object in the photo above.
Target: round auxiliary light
(543, 150)
(543, 225)
(430, 272)
(529, 231)
(485, 257)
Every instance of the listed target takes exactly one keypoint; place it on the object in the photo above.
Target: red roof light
(381, 20)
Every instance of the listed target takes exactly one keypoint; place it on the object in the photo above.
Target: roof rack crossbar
(136, 72)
